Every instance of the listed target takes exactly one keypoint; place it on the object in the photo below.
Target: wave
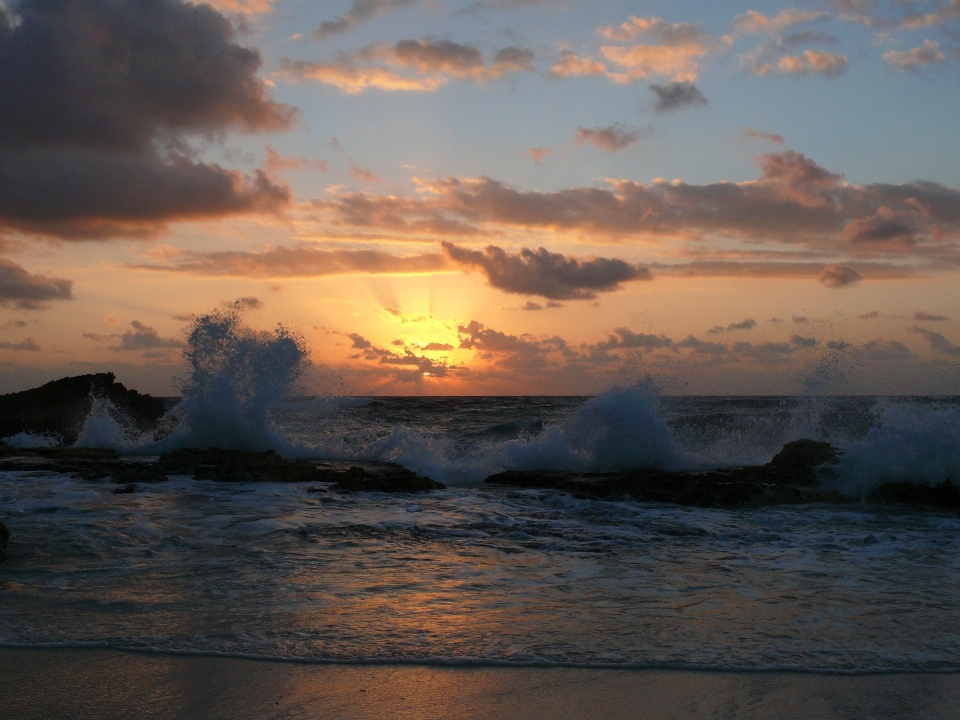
(242, 381)
(913, 444)
(841, 668)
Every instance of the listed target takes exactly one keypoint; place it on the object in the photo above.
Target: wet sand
(106, 684)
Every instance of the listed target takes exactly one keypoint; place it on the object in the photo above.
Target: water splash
(911, 443)
(236, 375)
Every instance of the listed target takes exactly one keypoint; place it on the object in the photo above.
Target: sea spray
(236, 375)
(620, 429)
(910, 443)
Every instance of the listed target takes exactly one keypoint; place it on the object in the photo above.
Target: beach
(106, 684)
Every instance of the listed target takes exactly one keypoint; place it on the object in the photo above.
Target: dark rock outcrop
(387, 480)
(225, 465)
(60, 407)
(944, 495)
(793, 476)
(243, 466)
(4, 536)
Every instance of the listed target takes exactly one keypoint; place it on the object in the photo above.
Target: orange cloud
(409, 65)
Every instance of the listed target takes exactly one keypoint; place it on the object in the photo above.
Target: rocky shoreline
(799, 473)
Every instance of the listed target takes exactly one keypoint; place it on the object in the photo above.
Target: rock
(125, 489)
(392, 479)
(225, 465)
(60, 407)
(944, 495)
(799, 461)
(791, 477)
(4, 536)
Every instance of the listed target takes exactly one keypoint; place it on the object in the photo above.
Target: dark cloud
(937, 341)
(550, 275)
(359, 342)
(921, 316)
(677, 95)
(794, 201)
(145, 338)
(20, 289)
(303, 261)
(616, 137)
(801, 341)
(27, 345)
(244, 303)
(406, 367)
(886, 350)
(748, 324)
(625, 338)
(106, 95)
(837, 276)
(359, 11)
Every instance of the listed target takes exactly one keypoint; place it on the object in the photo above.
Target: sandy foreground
(107, 684)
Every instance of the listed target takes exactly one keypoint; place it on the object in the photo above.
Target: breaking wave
(238, 394)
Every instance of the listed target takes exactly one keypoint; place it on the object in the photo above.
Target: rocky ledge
(59, 408)
(216, 464)
(794, 475)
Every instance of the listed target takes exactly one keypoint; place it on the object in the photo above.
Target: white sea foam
(28, 440)
(911, 443)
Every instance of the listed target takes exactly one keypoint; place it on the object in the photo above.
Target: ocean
(487, 575)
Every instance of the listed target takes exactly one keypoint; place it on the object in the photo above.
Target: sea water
(479, 574)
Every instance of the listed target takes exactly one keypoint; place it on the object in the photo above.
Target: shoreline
(106, 683)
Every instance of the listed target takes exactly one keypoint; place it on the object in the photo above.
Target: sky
(471, 197)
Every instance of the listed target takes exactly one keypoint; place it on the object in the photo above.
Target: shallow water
(492, 575)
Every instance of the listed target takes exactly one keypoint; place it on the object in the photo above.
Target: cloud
(613, 138)
(538, 155)
(837, 276)
(886, 351)
(360, 11)
(277, 162)
(748, 324)
(904, 15)
(145, 338)
(658, 31)
(796, 210)
(569, 64)
(28, 345)
(88, 151)
(243, 7)
(801, 341)
(670, 51)
(938, 342)
(809, 62)
(19, 289)
(646, 62)
(244, 303)
(754, 23)
(550, 275)
(405, 367)
(409, 65)
(300, 261)
(927, 54)
(624, 338)
(921, 316)
(676, 95)
(752, 134)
